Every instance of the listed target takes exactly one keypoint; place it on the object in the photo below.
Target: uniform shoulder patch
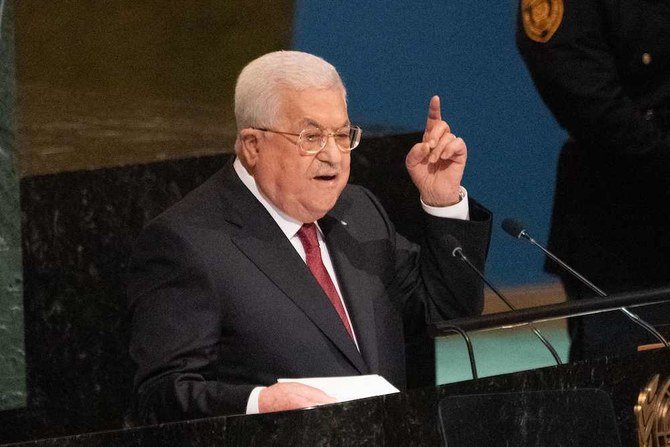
(541, 18)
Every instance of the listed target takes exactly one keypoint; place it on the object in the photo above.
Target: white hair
(258, 92)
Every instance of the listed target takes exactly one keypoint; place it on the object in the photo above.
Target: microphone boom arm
(458, 252)
(632, 316)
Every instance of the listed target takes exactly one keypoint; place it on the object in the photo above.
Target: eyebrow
(311, 122)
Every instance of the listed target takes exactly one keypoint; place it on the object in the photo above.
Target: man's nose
(330, 151)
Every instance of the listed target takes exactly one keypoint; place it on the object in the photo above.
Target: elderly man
(276, 267)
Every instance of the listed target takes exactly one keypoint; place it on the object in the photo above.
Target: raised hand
(436, 164)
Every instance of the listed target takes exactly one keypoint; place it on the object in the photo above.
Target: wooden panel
(525, 296)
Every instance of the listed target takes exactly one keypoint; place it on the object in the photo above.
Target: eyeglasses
(312, 140)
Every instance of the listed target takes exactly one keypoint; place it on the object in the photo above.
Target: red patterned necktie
(310, 243)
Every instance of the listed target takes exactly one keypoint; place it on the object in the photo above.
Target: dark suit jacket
(221, 302)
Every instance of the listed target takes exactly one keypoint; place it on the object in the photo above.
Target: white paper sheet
(349, 387)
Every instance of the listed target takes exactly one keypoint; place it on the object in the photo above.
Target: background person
(603, 69)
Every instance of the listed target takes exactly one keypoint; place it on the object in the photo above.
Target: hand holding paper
(348, 388)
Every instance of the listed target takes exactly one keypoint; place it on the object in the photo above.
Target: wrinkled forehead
(325, 108)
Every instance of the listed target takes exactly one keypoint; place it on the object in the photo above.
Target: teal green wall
(499, 351)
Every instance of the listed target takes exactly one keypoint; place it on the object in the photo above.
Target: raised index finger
(434, 114)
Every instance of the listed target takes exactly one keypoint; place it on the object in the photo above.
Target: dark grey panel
(12, 354)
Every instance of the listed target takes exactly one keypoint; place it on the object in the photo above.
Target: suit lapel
(354, 283)
(263, 242)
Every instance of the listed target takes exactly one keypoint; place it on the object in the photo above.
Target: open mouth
(326, 178)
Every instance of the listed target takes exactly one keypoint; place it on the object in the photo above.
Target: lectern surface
(581, 417)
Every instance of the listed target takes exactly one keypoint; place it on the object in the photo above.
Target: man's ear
(247, 147)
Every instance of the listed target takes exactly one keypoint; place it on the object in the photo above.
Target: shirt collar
(289, 226)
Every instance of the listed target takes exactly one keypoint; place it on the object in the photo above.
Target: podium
(604, 390)
(86, 386)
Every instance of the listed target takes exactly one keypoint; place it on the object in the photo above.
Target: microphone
(516, 229)
(457, 252)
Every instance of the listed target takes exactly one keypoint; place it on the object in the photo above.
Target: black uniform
(603, 68)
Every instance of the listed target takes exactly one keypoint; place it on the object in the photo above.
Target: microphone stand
(634, 317)
(458, 252)
(468, 343)
(558, 311)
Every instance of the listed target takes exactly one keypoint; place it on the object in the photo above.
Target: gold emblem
(541, 18)
(653, 414)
